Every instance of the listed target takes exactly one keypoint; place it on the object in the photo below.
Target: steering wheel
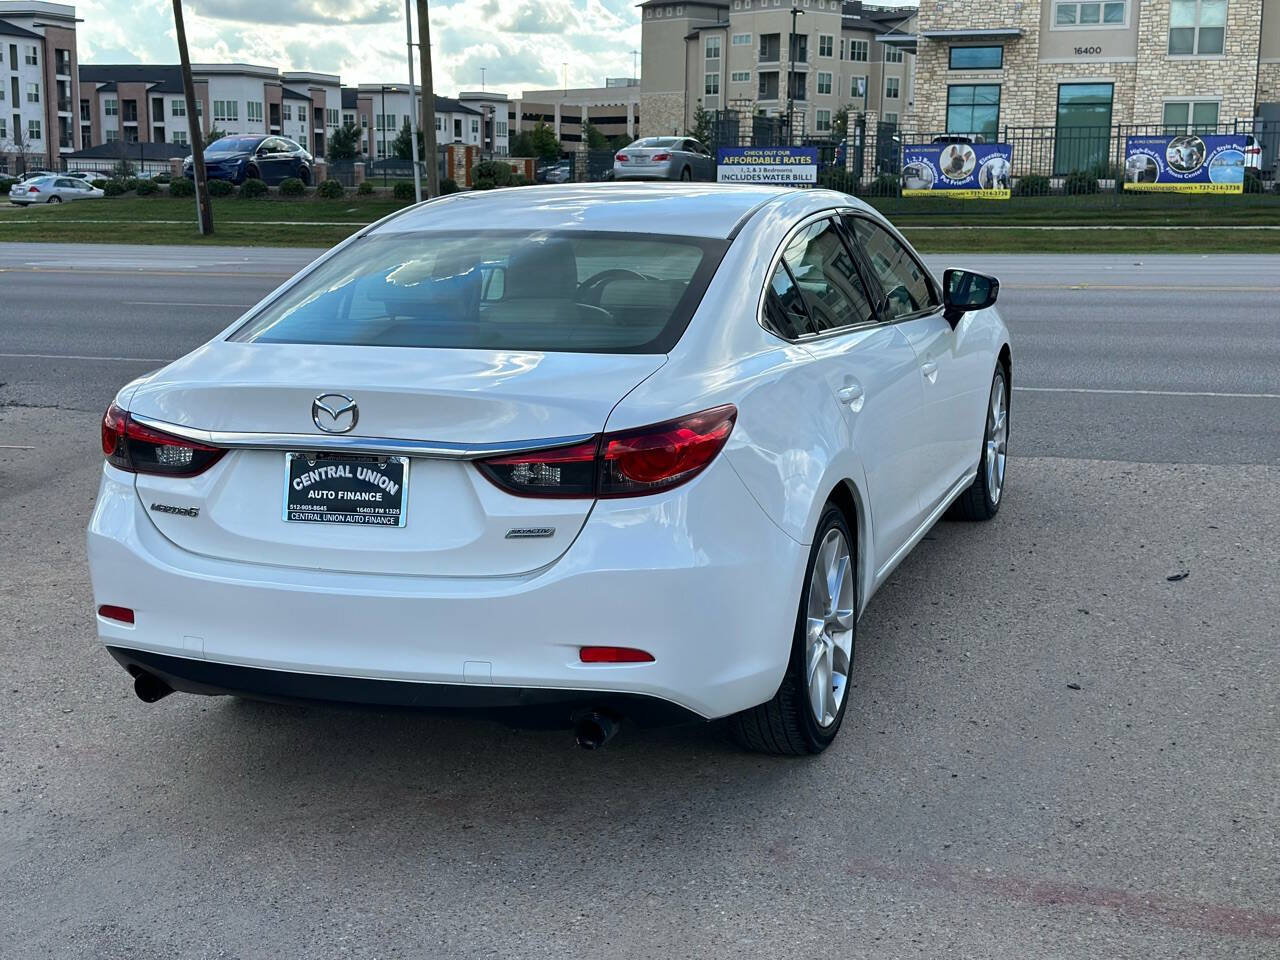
(589, 289)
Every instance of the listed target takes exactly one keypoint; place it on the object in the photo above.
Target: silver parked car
(664, 158)
(51, 190)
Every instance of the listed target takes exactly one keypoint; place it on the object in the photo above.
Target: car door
(279, 163)
(819, 294)
(67, 189)
(912, 301)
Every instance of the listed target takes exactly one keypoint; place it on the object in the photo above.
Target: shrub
(293, 187)
(113, 187)
(333, 190)
(4, 188)
(253, 189)
(182, 187)
(1079, 182)
(1252, 182)
(488, 174)
(221, 188)
(365, 188)
(162, 178)
(885, 185)
(146, 188)
(98, 184)
(131, 183)
(403, 190)
(448, 185)
(1032, 185)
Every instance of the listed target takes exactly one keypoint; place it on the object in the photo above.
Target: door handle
(930, 370)
(852, 394)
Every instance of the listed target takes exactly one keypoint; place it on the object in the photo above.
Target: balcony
(64, 104)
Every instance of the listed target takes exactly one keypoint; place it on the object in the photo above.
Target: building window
(33, 93)
(286, 111)
(976, 58)
(740, 76)
(112, 135)
(1082, 137)
(892, 87)
(177, 108)
(111, 107)
(800, 48)
(826, 45)
(1108, 14)
(33, 56)
(822, 121)
(500, 128)
(475, 126)
(253, 110)
(767, 88)
(973, 109)
(858, 50)
(770, 47)
(891, 119)
(892, 54)
(824, 83)
(1197, 27)
(1201, 116)
(711, 85)
(226, 110)
(741, 40)
(33, 130)
(4, 129)
(179, 136)
(331, 116)
(798, 86)
(858, 87)
(713, 48)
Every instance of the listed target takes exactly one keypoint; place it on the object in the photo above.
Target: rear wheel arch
(846, 496)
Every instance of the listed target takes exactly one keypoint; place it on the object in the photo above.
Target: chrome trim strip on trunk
(349, 444)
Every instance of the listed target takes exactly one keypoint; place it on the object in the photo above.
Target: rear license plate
(345, 489)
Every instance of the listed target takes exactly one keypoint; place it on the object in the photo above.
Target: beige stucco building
(738, 54)
(1073, 65)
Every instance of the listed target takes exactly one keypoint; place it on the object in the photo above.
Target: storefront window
(1083, 136)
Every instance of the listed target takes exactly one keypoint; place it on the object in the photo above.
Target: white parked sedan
(52, 190)
(503, 449)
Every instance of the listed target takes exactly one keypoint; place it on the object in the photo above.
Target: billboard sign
(780, 166)
(964, 171)
(1185, 163)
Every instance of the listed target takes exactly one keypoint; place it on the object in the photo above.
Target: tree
(204, 209)
(594, 139)
(540, 142)
(345, 143)
(213, 133)
(701, 130)
(402, 145)
(840, 124)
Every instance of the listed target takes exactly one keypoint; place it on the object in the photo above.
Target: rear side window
(906, 283)
(827, 278)
(569, 291)
(784, 306)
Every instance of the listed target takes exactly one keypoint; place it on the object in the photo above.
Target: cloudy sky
(521, 44)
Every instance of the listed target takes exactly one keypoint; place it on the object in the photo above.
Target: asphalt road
(977, 804)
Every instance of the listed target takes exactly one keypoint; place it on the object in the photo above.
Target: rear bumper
(699, 577)
(654, 172)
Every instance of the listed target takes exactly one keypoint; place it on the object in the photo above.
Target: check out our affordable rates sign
(780, 166)
(1185, 163)
(963, 171)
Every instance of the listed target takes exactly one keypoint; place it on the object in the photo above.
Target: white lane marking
(185, 303)
(14, 446)
(75, 356)
(1153, 393)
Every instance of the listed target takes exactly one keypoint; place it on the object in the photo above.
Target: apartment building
(613, 109)
(382, 109)
(1090, 64)
(38, 83)
(146, 103)
(809, 57)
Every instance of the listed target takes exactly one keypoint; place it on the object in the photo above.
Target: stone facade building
(739, 54)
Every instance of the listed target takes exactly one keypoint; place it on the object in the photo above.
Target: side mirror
(964, 291)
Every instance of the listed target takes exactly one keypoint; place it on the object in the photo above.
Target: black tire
(980, 501)
(55, 199)
(786, 725)
(686, 174)
(251, 173)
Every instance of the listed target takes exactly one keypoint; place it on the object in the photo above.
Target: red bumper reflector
(112, 612)
(614, 655)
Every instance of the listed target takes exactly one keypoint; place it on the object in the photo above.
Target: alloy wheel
(829, 628)
(997, 438)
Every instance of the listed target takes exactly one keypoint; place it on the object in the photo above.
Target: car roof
(711, 210)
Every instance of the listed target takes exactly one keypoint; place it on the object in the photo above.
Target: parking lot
(1062, 738)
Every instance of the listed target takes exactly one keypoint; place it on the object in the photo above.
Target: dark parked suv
(238, 158)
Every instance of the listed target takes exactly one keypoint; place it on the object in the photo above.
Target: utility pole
(204, 210)
(428, 101)
(413, 112)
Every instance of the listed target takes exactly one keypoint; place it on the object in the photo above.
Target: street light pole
(791, 70)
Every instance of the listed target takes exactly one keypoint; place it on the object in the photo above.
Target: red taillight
(622, 158)
(626, 463)
(661, 157)
(130, 446)
(112, 612)
(614, 655)
(33, 189)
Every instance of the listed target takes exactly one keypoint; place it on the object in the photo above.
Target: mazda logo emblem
(334, 413)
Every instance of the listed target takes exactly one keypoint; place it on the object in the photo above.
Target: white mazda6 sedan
(598, 451)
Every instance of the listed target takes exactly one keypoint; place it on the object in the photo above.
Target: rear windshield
(573, 291)
(657, 142)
